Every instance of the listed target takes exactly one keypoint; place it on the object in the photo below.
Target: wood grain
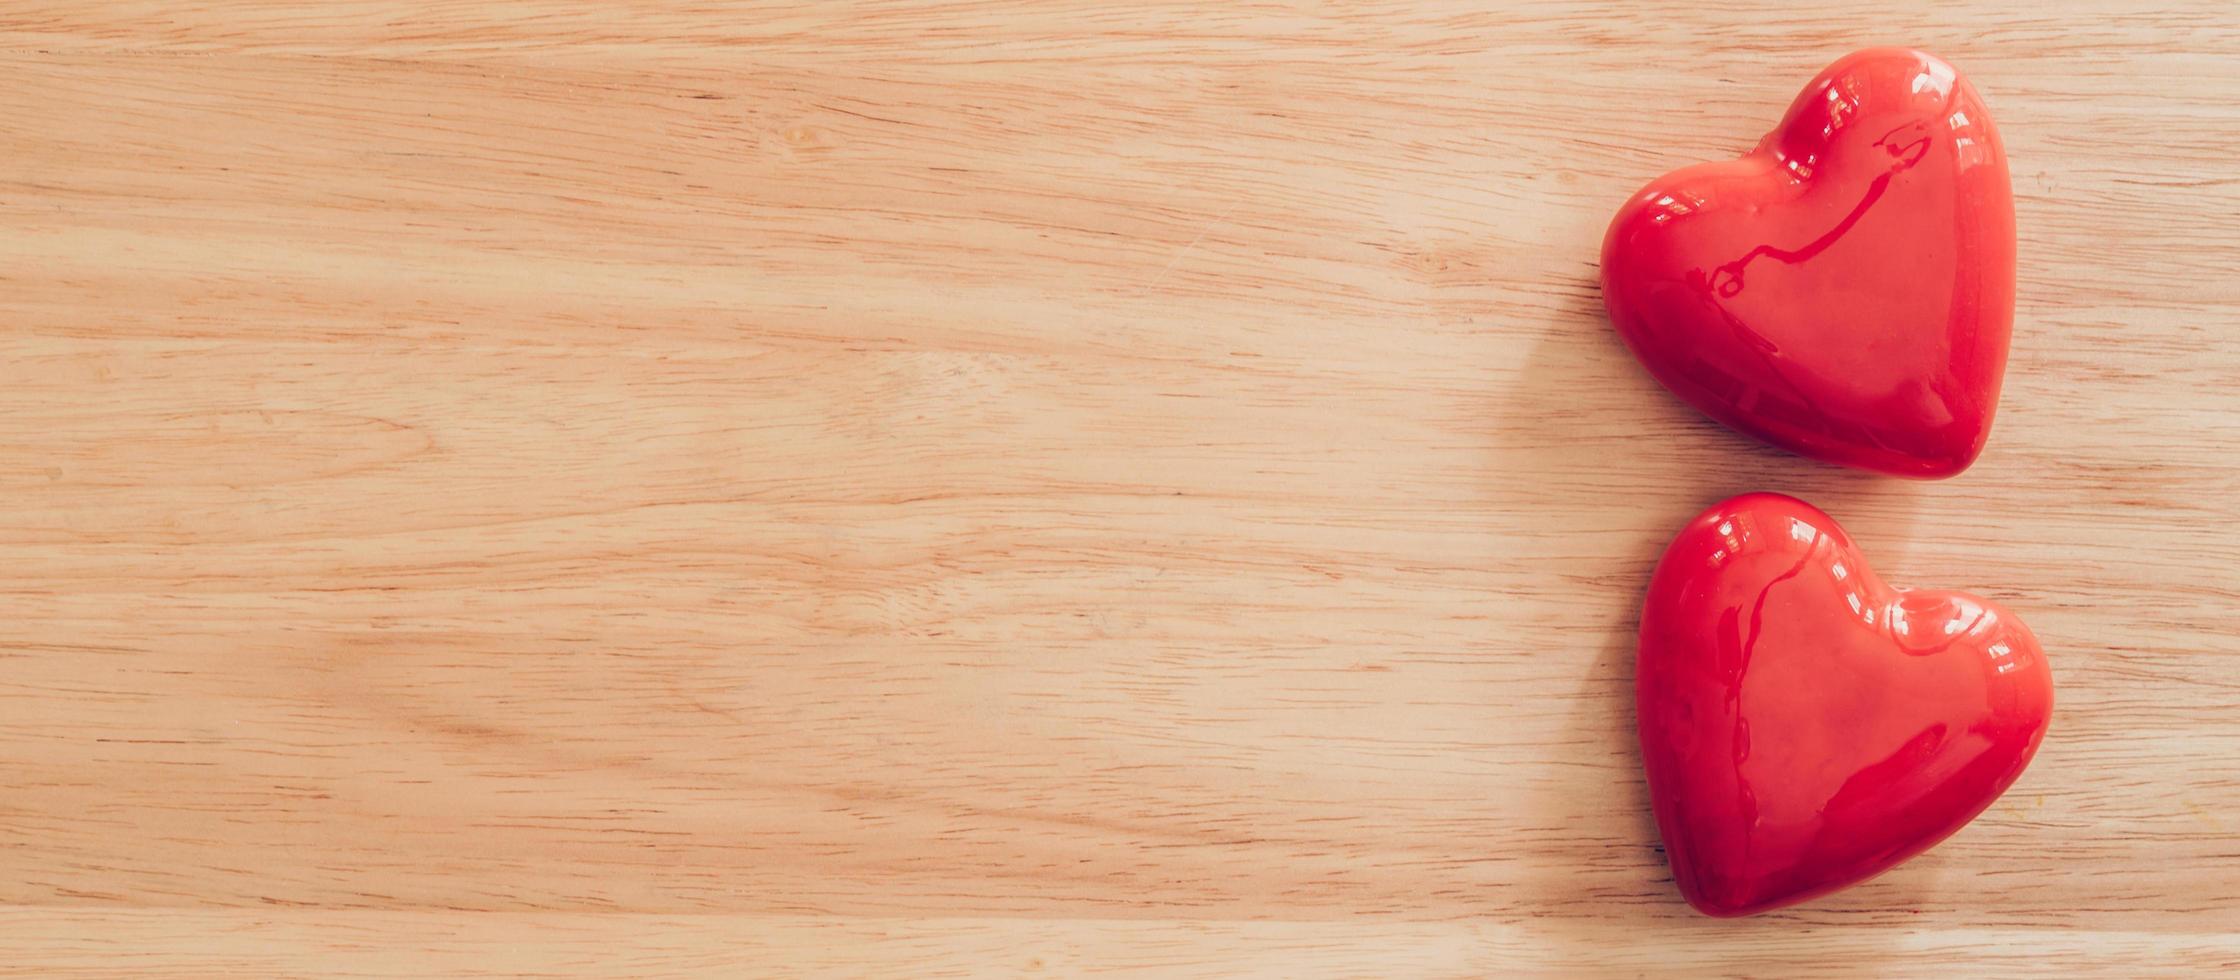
(924, 488)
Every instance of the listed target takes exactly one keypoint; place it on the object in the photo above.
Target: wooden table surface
(924, 488)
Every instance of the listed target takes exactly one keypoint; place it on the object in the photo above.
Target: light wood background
(927, 488)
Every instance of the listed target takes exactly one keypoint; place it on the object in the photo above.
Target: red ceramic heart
(1805, 726)
(1846, 289)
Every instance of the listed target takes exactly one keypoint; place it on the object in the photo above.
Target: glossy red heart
(1845, 290)
(1805, 726)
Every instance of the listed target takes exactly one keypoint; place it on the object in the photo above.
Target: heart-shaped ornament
(1806, 727)
(1845, 290)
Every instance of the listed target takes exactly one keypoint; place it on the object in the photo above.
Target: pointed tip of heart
(1735, 907)
(1740, 899)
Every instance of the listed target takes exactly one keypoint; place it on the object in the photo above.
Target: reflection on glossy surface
(1805, 726)
(1845, 290)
